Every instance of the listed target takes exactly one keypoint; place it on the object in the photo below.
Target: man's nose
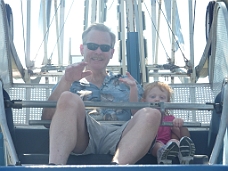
(98, 50)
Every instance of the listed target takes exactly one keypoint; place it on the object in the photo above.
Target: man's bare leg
(138, 136)
(68, 123)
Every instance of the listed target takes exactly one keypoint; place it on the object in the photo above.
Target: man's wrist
(132, 86)
(65, 80)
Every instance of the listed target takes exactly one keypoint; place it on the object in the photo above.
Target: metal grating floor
(183, 93)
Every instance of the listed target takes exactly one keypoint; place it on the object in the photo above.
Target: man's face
(97, 59)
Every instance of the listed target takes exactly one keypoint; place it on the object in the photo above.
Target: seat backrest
(9, 116)
(214, 125)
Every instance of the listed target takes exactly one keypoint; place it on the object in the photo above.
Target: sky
(73, 28)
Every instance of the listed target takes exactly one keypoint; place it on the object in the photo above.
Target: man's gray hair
(99, 27)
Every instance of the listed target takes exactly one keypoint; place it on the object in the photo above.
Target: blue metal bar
(2, 152)
(122, 168)
(133, 62)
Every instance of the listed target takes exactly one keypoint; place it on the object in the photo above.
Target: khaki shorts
(103, 138)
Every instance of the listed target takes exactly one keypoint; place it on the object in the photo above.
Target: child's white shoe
(167, 153)
(187, 150)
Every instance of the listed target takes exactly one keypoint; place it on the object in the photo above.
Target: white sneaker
(187, 150)
(167, 153)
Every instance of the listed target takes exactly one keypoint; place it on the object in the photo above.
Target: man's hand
(129, 80)
(76, 72)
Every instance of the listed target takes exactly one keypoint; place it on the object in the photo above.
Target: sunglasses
(94, 46)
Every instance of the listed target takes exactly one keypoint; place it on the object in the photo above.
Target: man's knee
(68, 99)
(150, 115)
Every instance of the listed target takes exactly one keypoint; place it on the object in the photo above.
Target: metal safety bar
(127, 105)
(185, 124)
(18, 104)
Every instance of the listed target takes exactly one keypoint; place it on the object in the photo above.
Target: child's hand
(178, 122)
(129, 80)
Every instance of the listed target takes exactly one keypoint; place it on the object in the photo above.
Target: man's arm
(133, 94)
(62, 86)
(73, 73)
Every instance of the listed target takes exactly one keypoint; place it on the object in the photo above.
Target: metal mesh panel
(28, 92)
(193, 93)
(183, 93)
(37, 94)
(19, 115)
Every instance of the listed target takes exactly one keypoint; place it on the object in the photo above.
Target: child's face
(156, 95)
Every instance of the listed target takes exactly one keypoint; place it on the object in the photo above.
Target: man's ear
(82, 49)
(112, 52)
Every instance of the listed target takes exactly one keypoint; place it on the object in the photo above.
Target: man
(73, 130)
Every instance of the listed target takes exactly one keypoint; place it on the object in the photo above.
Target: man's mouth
(96, 59)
